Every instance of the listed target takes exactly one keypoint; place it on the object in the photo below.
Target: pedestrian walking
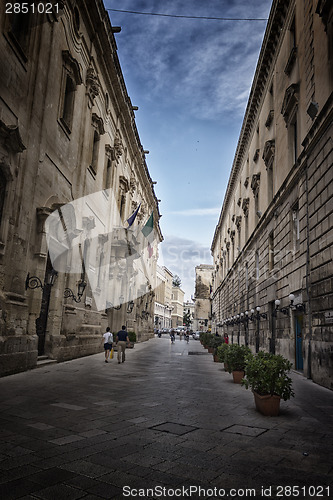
(108, 340)
(121, 339)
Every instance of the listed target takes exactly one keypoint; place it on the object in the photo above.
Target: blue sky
(190, 79)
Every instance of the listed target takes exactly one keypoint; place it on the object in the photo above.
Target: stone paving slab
(165, 418)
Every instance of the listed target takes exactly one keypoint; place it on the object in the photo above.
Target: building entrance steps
(163, 419)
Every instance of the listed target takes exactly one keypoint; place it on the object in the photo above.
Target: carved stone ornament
(12, 138)
(92, 84)
(269, 119)
(291, 61)
(256, 155)
(255, 183)
(245, 206)
(72, 67)
(98, 123)
(123, 184)
(132, 185)
(238, 221)
(324, 9)
(239, 201)
(108, 151)
(118, 147)
(269, 153)
(134, 205)
(290, 102)
(232, 235)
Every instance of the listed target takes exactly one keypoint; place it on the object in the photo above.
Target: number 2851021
(32, 7)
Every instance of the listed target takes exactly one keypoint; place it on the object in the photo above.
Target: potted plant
(203, 338)
(267, 375)
(210, 342)
(132, 339)
(221, 354)
(215, 343)
(236, 357)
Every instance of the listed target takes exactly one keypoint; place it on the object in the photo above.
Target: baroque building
(72, 171)
(177, 306)
(202, 297)
(272, 247)
(163, 308)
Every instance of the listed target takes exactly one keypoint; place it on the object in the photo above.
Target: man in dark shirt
(121, 339)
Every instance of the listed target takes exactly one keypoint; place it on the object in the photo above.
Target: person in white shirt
(108, 340)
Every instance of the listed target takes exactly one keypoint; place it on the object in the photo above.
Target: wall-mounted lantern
(33, 282)
(69, 294)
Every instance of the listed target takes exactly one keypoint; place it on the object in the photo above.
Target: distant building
(188, 308)
(272, 247)
(202, 297)
(163, 307)
(177, 306)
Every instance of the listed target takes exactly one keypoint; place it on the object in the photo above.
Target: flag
(147, 229)
(131, 219)
(150, 250)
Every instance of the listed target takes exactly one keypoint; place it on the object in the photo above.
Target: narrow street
(168, 417)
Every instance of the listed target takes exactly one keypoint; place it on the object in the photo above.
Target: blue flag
(131, 219)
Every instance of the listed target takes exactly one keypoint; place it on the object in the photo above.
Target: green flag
(147, 229)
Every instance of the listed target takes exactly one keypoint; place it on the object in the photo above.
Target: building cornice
(266, 57)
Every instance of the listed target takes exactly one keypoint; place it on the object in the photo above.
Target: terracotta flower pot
(226, 368)
(268, 405)
(216, 359)
(211, 350)
(238, 375)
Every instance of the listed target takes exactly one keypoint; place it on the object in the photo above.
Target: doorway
(41, 321)
(299, 341)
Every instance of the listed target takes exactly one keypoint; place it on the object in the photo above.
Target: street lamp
(33, 282)
(130, 306)
(81, 286)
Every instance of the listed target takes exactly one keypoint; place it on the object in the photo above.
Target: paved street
(168, 417)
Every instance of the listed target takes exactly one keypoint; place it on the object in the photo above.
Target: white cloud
(181, 256)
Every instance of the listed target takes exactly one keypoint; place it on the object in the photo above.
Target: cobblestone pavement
(168, 423)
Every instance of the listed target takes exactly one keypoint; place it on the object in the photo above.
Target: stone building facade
(162, 313)
(177, 306)
(202, 297)
(272, 247)
(72, 171)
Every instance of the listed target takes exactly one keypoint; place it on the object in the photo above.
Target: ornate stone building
(202, 297)
(72, 171)
(163, 308)
(272, 247)
(177, 306)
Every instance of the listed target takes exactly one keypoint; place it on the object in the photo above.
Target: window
(108, 169)
(289, 112)
(257, 264)
(19, 30)
(295, 233)
(97, 131)
(271, 251)
(95, 151)
(71, 78)
(68, 103)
